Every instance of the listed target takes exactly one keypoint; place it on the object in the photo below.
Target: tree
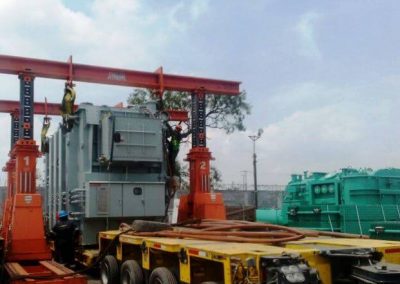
(222, 111)
(215, 178)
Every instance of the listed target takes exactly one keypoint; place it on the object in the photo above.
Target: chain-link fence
(269, 196)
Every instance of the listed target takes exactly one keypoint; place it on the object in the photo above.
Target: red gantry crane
(22, 223)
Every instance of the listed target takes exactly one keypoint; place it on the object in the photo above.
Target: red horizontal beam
(114, 76)
(39, 108)
(178, 115)
(54, 109)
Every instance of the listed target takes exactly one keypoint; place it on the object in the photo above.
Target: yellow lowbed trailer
(136, 259)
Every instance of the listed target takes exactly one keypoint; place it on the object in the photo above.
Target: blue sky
(322, 76)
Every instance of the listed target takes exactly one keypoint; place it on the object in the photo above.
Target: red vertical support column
(26, 152)
(200, 203)
(199, 156)
(7, 204)
(10, 166)
(199, 169)
(10, 169)
(14, 128)
(25, 237)
(11, 163)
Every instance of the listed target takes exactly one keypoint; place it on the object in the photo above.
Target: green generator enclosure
(350, 201)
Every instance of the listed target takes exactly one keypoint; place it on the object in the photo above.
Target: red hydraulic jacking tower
(26, 255)
(200, 203)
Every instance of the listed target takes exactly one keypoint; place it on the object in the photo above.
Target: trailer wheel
(109, 270)
(131, 273)
(162, 275)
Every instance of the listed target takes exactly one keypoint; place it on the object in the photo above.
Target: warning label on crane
(28, 199)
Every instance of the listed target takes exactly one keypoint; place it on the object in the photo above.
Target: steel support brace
(8, 106)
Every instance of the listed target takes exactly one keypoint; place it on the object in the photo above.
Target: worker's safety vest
(175, 143)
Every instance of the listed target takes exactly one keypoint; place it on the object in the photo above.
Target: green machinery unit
(351, 201)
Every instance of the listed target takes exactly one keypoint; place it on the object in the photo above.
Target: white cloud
(198, 7)
(178, 14)
(305, 29)
(324, 128)
(115, 10)
(122, 33)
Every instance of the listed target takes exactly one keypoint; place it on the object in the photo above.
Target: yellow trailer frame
(198, 261)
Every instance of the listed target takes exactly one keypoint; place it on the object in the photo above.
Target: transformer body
(108, 169)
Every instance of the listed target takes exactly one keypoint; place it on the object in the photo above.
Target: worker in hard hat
(67, 106)
(64, 233)
(173, 143)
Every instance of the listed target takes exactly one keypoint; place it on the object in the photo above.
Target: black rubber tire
(131, 273)
(162, 275)
(109, 272)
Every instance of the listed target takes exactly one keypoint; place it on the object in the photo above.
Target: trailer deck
(199, 261)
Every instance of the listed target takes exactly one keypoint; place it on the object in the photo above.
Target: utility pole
(244, 175)
(254, 138)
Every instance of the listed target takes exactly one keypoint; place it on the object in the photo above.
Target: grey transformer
(108, 169)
